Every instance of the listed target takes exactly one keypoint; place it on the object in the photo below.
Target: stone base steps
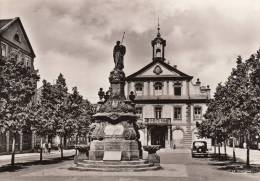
(114, 166)
(115, 169)
(134, 162)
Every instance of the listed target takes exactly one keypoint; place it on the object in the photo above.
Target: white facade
(168, 102)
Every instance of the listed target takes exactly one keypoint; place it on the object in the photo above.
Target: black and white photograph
(129, 90)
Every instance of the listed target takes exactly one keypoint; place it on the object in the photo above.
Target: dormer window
(158, 88)
(17, 37)
(139, 89)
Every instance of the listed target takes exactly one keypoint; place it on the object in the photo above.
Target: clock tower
(158, 45)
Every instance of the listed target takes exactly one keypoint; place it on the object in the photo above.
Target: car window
(198, 144)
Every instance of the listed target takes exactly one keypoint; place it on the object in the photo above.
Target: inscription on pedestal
(112, 155)
(114, 129)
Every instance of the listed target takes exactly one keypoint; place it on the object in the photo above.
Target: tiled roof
(3, 22)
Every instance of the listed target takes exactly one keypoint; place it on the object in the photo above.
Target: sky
(76, 37)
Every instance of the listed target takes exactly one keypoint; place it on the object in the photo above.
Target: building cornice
(170, 101)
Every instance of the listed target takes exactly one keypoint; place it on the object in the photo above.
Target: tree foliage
(235, 109)
(17, 88)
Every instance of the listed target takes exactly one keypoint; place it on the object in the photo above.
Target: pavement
(33, 157)
(177, 165)
(241, 154)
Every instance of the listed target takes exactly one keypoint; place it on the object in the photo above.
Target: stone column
(7, 141)
(170, 88)
(169, 138)
(164, 88)
(151, 89)
(21, 141)
(145, 136)
(187, 88)
(148, 88)
(168, 93)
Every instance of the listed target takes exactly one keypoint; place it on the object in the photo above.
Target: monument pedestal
(128, 150)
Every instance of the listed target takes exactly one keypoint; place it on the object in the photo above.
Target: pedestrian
(59, 147)
(49, 147)
(244, 145)
(45, 146)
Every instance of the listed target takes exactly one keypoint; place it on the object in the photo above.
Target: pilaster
(164, 88)
(168, 145)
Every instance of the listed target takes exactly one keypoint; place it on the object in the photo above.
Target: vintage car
(199, 148)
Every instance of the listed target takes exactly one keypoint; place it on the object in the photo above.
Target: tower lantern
(158, 45)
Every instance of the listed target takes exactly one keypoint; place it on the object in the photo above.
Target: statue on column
(118, 55)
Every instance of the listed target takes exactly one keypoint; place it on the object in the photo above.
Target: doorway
(158, 136)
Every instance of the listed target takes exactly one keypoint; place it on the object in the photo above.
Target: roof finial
(158, 28)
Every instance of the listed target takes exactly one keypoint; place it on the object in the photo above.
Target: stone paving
(241, 154)
(168, 170)
(29, 157)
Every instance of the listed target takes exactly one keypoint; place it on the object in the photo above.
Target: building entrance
(177, 138)
(158, 136)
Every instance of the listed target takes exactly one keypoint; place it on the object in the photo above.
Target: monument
(115, 144)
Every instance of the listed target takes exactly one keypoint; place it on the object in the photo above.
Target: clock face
(157, 45)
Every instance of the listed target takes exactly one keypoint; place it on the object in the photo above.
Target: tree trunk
(225, 149)
(247, 151)
(61, 147)
(247, 157)
(13, 151)
(215, 149)
(77, 140)
(219, 150)
(234, 151)
(41, 149)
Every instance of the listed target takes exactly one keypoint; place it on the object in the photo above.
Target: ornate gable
(158, 69)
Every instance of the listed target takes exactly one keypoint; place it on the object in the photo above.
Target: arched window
(158, 88)
(139, 89)
(158, 52)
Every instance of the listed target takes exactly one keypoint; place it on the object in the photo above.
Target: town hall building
(168, 101)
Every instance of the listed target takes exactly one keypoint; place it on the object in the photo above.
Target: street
(176, 165)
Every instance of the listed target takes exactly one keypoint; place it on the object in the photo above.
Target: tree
(17, 88)
(65, 125)
(235, 108)
(43, 118)
(80, 111)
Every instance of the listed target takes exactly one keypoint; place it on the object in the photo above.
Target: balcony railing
(157, 121)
